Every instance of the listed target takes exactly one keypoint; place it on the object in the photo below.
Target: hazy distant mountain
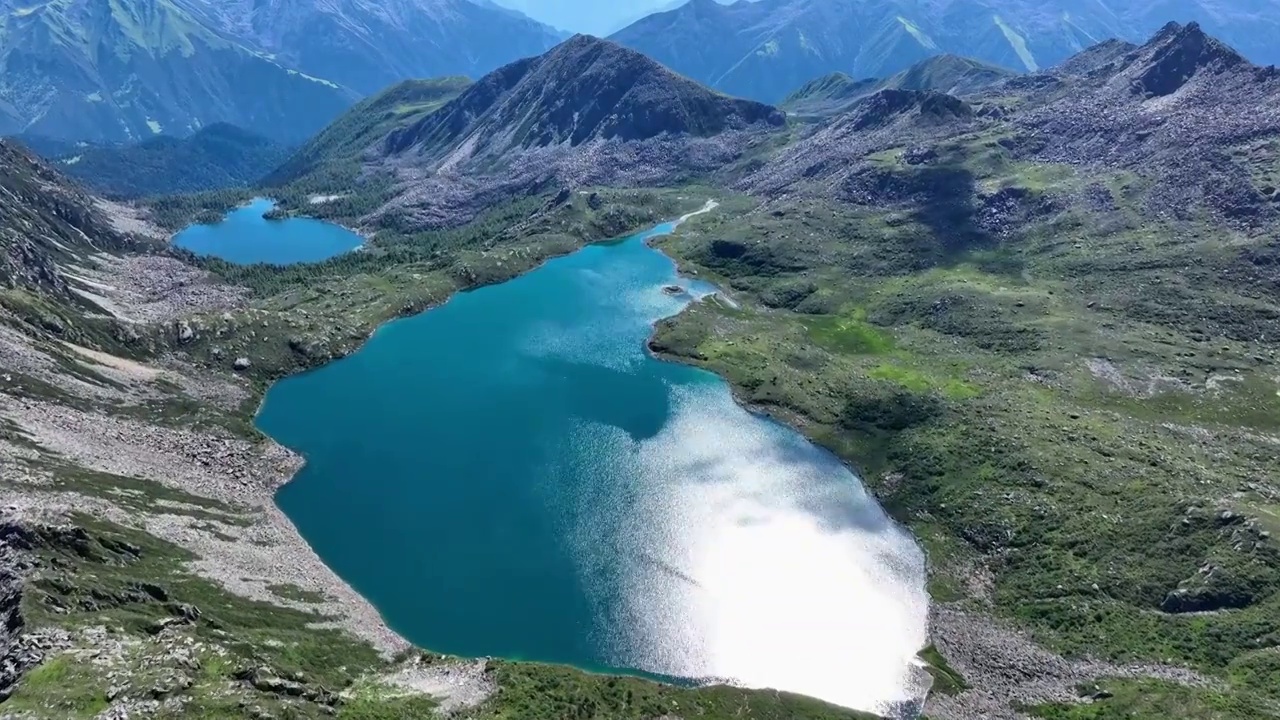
(126, 70)
(588, 16)
(766, 49)
(130, 69)
(367, 45)
(949, 74)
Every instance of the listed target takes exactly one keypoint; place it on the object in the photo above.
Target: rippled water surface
(246, 237)
(512, 475)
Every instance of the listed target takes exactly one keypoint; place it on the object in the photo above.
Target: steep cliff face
(13, 661)
(1176, 54)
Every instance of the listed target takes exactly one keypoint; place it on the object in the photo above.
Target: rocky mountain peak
(1176, 54)
(583, 89)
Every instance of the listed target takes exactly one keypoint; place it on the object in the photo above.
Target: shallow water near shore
(245, 237)
(512, 474)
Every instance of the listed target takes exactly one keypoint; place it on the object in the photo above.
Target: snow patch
(915, 32)
(1018, 43)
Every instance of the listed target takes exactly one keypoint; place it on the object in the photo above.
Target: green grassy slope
(332, 158)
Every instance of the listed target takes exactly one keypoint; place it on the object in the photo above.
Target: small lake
(245, 237)
(512, 474)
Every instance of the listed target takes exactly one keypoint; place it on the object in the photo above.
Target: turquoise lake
(512, 474)
(246, 237)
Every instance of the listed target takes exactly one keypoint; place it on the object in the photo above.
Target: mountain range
(950, 74)
(124, 70)
(766, 49)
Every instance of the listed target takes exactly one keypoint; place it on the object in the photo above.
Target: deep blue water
(246, 237)
(512, 474)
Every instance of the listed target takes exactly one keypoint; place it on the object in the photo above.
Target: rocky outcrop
(1180, 52)
(1176, 110)
(924, 106)
(16, 657)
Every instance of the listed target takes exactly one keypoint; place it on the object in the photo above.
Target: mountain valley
(1035, 311)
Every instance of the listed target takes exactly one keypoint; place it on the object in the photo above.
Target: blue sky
(598, 17)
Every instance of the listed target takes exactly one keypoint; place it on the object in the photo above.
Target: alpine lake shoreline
(963, 633)
(465, 673)
(992, 656)
(169, 550)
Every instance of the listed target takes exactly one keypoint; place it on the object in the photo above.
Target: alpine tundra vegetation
(1035, 312)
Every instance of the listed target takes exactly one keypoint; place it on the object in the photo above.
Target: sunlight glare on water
(748, 554)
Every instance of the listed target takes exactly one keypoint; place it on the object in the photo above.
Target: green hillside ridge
(218, 156)
(827, 93)
(334, 155)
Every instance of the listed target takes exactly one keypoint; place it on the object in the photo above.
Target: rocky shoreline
(261, 548)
